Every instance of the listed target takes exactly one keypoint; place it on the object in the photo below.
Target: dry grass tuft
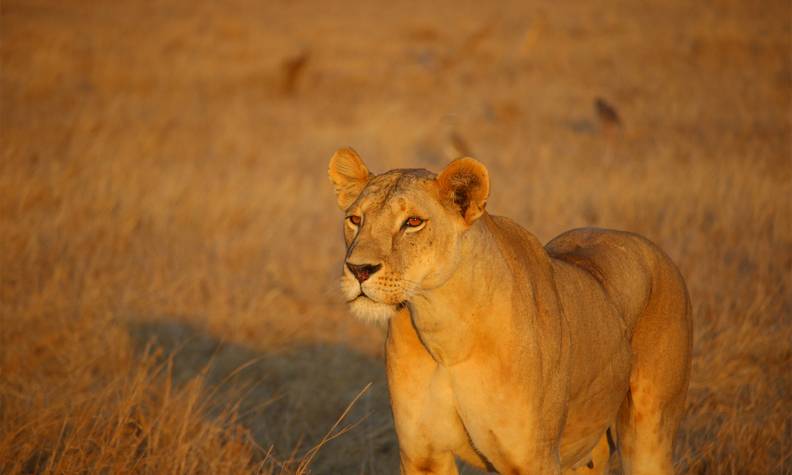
(112, 413)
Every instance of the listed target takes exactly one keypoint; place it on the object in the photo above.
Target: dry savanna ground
(170, 245)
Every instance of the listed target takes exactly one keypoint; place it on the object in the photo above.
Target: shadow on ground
(289, 399)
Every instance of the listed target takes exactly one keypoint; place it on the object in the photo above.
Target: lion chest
(502, 420)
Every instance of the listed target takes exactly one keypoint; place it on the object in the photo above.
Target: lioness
(515, 357)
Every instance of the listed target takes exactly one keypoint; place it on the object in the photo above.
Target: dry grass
(162, 180)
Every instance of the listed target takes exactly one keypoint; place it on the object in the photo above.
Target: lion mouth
(361, 295)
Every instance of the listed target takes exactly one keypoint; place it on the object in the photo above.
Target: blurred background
(170, 245)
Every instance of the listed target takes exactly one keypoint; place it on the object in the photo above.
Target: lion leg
(426, 422)
(661, 344)
(600, 460)
(646, 434)
(435, 464)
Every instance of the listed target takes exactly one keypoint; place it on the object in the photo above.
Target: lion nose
(363, 271)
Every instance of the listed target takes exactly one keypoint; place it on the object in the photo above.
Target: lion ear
(349, 176)
(465, 184)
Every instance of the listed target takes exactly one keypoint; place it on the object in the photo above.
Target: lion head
(402, 228)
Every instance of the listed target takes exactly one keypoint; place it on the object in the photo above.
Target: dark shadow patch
(289, 398)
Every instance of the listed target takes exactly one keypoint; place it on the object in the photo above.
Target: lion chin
(368, 310)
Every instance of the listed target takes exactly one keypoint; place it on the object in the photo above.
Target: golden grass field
(170, 245)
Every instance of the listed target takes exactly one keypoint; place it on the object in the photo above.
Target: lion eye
(354, 219)
(414, 221)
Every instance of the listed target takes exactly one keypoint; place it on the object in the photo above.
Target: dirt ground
(170, 245)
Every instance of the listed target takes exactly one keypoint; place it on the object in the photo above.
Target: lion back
(626, 265)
